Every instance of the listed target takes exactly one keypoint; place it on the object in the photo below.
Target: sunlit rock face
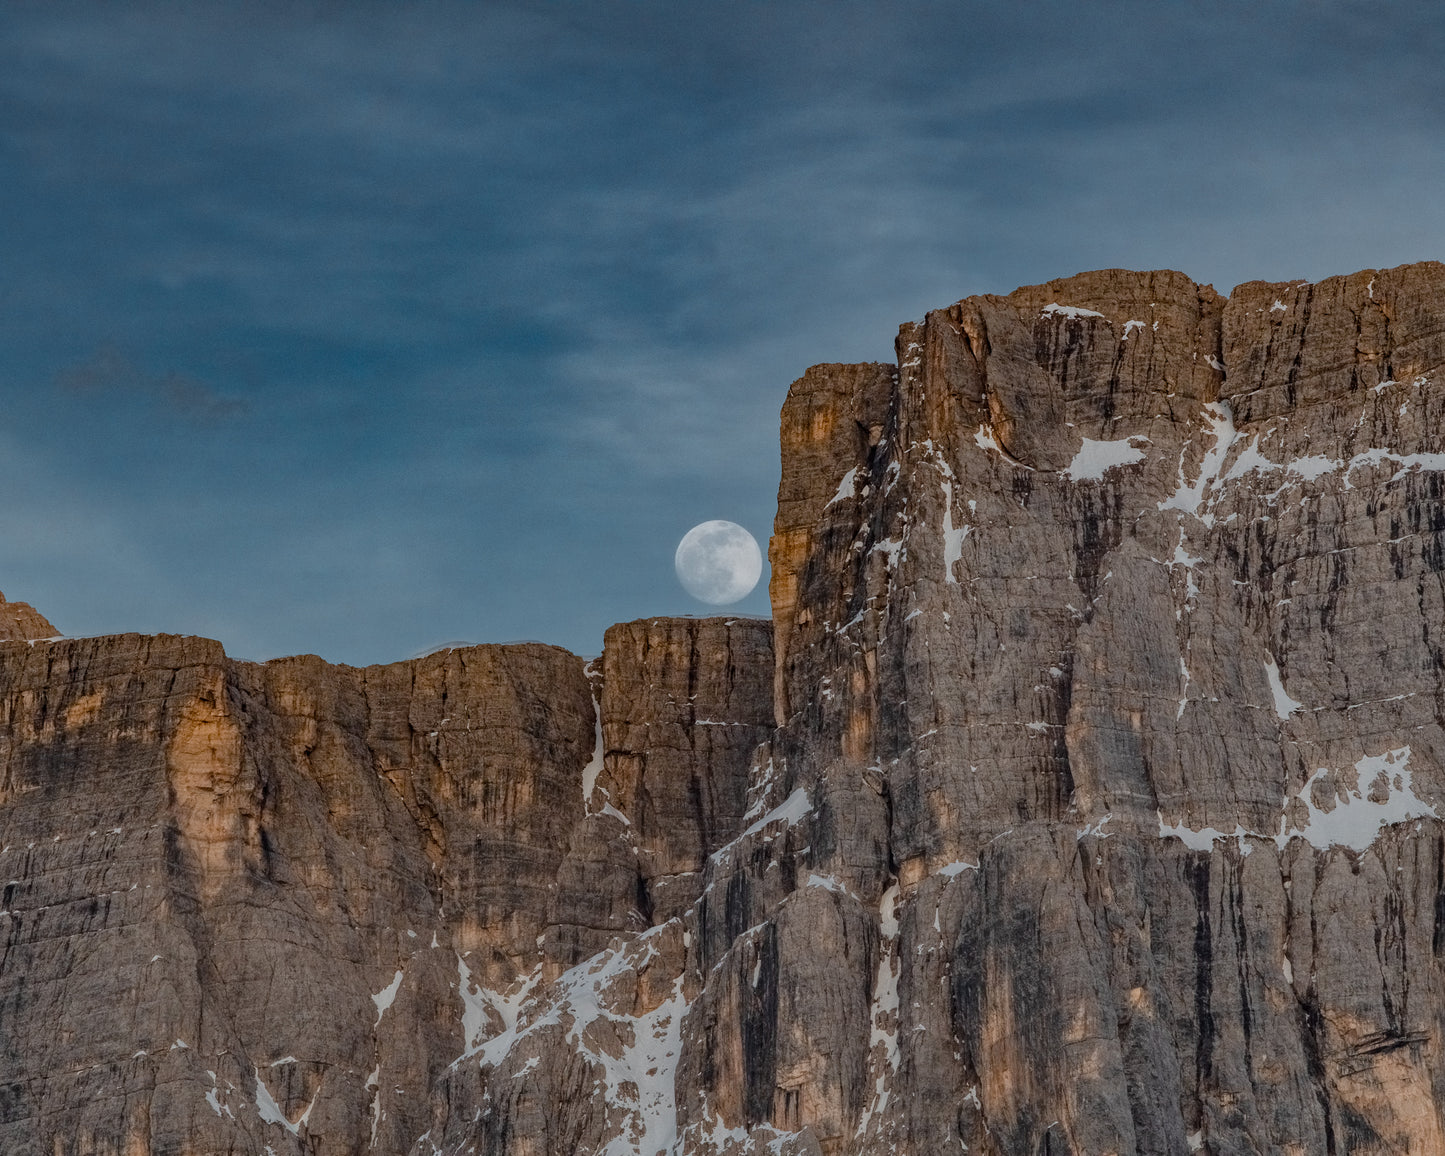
(21, 621)
(1082, 796)
(1109, 655)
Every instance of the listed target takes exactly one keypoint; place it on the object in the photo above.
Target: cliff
(1083, 796)
(19, 621)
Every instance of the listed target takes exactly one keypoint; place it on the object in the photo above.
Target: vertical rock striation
(272, 906)
(1083, 796)
(1110, 667)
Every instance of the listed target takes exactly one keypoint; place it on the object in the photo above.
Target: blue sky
(355, 329)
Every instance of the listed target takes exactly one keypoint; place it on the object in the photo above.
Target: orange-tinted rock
(1086, 797)
(21, 621)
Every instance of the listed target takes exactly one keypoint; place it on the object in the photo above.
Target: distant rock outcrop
(20, 622)
(1083, 796)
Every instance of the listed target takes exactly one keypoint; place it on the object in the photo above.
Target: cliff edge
(1083, 796)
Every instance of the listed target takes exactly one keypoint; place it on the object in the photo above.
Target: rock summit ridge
(1083, 796)
(21, 621)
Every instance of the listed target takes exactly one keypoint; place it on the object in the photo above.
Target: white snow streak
(594, 765)
(270, 1111)
(846, 488)
(953, 536)
(1284, 706)
(386, 997)
(1053, 309)
(373, 1084)
(883, 1036)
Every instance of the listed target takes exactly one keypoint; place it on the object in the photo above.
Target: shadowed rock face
(1082, 797)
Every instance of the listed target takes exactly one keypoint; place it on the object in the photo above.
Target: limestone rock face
(1083, 796)
(1126, 614)
(684, 704)
(20, 620)
(255, 906)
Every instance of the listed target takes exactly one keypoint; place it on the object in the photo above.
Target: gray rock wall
(1135, 650)
(1083, 796)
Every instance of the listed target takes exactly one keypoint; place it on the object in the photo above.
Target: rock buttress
(253, 906)
(1084, 800)
(1110, 757)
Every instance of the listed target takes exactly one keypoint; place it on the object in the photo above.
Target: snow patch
(1284, 706)
(1189, 497)
(883, 1014)
(270, 1111)
(1095, 458)
(846, 488)
(1250, 459)
(1053, 309)
(1313, 466)
(636, 1054)
(1204, 838)
(1382, 796)
(1095, 829)
(481, 1005)
(890, 548)
(791, 810)
(386, 997)
(830, 883)
(984, 438)
(1317, 465)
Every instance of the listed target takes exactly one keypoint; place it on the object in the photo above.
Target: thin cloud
(110, 371)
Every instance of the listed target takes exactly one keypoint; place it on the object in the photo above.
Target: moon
(718, 562)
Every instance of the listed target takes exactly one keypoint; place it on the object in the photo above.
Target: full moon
(718, 562)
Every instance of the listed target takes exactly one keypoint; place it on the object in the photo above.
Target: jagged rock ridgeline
(1082, 797)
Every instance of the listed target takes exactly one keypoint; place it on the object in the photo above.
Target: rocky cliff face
(19, 621)
(1137, 650)
(274, 906)
(1083, 797)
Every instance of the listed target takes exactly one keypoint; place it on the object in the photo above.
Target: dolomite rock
(1083, 796)
(21, 621)
(257, 907)
(1126, 605)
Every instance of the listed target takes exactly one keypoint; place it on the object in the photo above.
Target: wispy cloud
(464, 311)
(110, 371)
